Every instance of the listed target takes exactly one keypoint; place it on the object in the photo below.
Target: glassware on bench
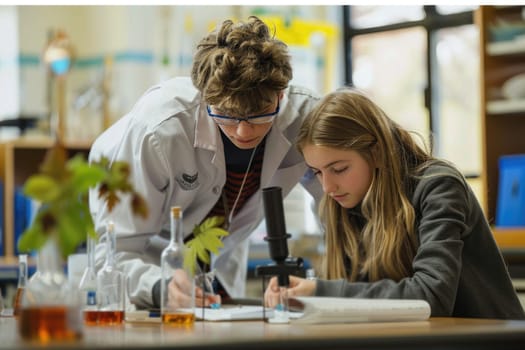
(22, 282)
(204, 281)
(177, 304)
(50, 310)
(110, 285)
(88, 286)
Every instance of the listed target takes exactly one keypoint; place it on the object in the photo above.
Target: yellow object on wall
(306, 34)
(301, 33)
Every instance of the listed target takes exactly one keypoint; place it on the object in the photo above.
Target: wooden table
(437, 333)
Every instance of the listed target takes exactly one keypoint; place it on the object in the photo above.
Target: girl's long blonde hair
(386, 245)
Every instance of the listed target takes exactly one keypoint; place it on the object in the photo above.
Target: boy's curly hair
(240, 68)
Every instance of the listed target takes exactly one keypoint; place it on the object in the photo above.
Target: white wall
(9, 83)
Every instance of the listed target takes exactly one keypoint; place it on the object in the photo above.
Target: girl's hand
(298, 287)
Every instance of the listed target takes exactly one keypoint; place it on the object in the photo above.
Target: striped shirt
(237, 161)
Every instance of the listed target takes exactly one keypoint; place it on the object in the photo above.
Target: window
(398, 91)
(374, 16)
(421, 65)
(457, 125)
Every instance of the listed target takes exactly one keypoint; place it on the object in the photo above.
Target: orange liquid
(178, 318)
(48, 323)
(18, 301)
(106, 318)
(91, 318)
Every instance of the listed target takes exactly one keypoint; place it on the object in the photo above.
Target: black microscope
(276, 236)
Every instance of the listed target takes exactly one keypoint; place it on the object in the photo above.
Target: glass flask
(88, 286)
(177, 282)
(110, 285)
(280, 312)
(49, 310)
(22, 282)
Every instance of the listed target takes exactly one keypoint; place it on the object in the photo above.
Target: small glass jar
(50, 310)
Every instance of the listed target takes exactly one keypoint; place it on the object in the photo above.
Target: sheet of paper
(232, 313)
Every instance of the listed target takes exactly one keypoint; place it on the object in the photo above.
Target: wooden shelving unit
(505, 107)
(505, 48)
(510, 238)
(19, 159)
(503, 121)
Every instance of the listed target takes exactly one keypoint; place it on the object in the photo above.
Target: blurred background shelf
(19, 159)
(510, 238)
(502, 53)
(506, 106)
(510, 47)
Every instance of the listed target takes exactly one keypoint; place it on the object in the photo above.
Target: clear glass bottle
(177, 305)
(110, 285)
(22, 282)
(88, 286)
(50, 309)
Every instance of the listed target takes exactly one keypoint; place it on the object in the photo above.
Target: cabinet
(19, 159)
(502, 57)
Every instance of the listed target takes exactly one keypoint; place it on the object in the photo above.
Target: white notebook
(347, 310)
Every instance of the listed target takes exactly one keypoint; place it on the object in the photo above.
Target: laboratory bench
(435, 333)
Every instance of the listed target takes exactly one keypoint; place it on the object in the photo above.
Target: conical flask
(110, 285)
(22, 282)
(50, 309)
(177, 282)
(88, 286)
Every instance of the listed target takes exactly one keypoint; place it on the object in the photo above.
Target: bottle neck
(22, 271)
(176, 229)
(111, 244)
(90, 251)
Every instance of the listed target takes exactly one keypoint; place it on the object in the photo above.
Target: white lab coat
(176, 156)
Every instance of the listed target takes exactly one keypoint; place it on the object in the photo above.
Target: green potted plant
(61, 224)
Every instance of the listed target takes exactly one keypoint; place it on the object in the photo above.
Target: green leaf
(85, 215)
(42, 187)
(217, 231)
(210, 241)
(203, 256)
(209, 223)
(85, 176)
(62, 187)
(200, 251)
(103, 162)
(71, 232)
(190, 260)
(54, 162)
(207, 238)
(33, 238)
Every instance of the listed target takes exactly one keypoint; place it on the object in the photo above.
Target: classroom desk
(437, 333)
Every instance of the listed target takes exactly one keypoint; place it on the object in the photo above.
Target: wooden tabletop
(437, 333)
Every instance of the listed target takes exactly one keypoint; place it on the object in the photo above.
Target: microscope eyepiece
(276, 235)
